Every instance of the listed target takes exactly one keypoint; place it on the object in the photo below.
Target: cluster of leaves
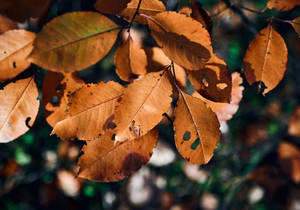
(119, 124)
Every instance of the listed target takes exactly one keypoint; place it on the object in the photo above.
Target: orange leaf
(289, 160)
(294, 125)
(74, 41)
(106, 162)
(91, 111)
(130, 60)
(148, 7)
(18, 106)
(142, 105)
(213, 81)
(183, 39)
(266, 59)
(225, 111)
(196, 129)
(58, 86)
(15, 46)
(6, 24)
(111, 6)
(282, 5)
(296, 25)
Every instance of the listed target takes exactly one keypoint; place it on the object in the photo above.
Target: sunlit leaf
(282, 5)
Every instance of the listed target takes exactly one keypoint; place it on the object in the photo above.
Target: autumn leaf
(142, 105)
(6, 24)
(91, 111)
(157, 60)
(106, 162)
(266, 59)
(213, 81)
(225, 111)
(56, 89)
(74, 41)
(18, 108)
(21, 10)
(183, 39)
(15, 46)
(296, 25)
(289, 160)
(201, 15)
(130, 60)
(111, 6)
(294, 125)
(282, 5)
(196, 129)
(148, 7)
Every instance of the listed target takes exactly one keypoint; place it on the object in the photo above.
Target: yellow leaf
(74, 41)
(18, 108)
(266, 59)
(196, 129)
(106, 162)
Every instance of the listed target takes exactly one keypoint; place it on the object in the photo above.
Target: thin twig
(133, 17)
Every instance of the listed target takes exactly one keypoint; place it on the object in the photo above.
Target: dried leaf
(183, 39)
(225, 111)
(196, 129)
(148, 7)
(19, 107)
(130, 60)
(74, 41)
(296, 25)
(15, 46)
(282, 5)
(201, 15)
(266, 59)
(6, 24)
(106, 162)
(294, 125)
(213, 81)
(91, 111)
(111, 6)
(56, 88)
(142, 105)
(289, 159)
(158, 60)
(21, 10)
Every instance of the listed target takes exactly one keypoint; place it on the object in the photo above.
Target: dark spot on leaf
(4, 52)
(109, 123)
(195, 144)
(113, 137)
(119, 100)
(186, 136)
(132, 163)
(14, 64)
(27, 122)
(91, 93)
(58, 87)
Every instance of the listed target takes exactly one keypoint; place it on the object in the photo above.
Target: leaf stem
(133, 17)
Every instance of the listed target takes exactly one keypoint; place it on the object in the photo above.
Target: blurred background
(248, 169)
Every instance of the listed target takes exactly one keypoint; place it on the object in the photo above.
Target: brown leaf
(130, 60)
(58, 86)
(15, 46)
(183, 39)
(289, 160)
(213, 81)
(225, 111)
(294, 125)
(201, 15)
(296, 25)
(111, 6)
(148, 7)
(282, 5)
(19, 107)
(91, 111)
(266, 59)
(7, 24)
(74, 41)
(157, 60)
(106, 162)
(142, 105)
(196, 129)
(21, 10)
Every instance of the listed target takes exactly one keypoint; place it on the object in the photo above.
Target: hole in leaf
(27, 122)
(54, 100)
(205, 82)
(186, 136)
(113, 137)
(195, 144)
(14, 64)
(221, 86)
(58, 87)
